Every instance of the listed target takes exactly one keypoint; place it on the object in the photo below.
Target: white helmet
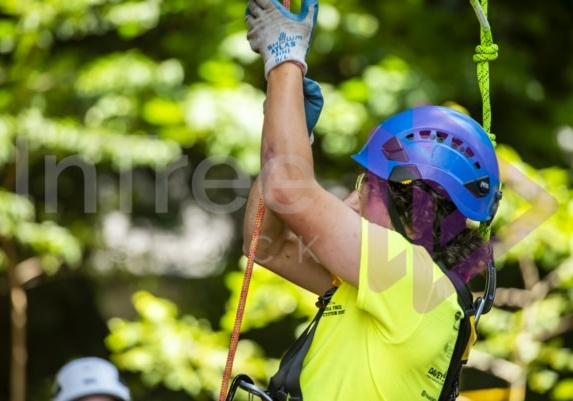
(89, 376)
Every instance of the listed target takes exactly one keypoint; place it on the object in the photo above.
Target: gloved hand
(313, 102)
(279, 35)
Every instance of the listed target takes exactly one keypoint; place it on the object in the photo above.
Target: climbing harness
(467, 336)
(285, 385)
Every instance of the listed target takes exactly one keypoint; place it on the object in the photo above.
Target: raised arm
(312, 233)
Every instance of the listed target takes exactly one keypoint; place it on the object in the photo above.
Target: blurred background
(129, 137)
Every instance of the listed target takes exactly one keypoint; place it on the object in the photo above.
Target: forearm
(286, 156)
(280, 250)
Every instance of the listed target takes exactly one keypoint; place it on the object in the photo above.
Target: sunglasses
(362, 176)
(359, 181)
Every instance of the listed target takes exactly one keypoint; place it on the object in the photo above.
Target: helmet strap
(395, 217)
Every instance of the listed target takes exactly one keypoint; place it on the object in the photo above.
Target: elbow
(287, 183)
(287, 197)
(277, 199)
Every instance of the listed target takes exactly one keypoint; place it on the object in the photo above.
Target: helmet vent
(441, 136)
(457, 143)
(393, 150)
(425, 134)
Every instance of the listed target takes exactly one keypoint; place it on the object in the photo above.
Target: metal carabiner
(244, 382)
(484, 304)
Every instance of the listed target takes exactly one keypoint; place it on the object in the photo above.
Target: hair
(436, 224)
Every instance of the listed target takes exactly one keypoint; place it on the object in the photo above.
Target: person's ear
(353, 201)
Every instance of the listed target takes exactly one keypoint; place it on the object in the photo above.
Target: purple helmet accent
(441, 145)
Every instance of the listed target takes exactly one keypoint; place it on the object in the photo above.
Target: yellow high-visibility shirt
(392, 338)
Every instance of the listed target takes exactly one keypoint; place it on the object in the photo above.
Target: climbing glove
(279, 35)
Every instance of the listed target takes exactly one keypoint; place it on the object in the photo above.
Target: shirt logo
(428, 396)
(436, 375)
(333, 309)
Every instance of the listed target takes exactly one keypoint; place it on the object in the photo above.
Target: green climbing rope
(485, 52)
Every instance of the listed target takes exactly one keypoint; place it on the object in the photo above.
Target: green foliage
(545, 195)
(181, 352)
(270, 300)
(226, 119)
(135, 85)
(563, 390)
(54, 244)
(534, 219)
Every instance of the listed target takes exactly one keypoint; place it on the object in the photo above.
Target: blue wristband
(313, 102)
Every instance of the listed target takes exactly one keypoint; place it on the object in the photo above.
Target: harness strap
(467, 336)
(285, 384)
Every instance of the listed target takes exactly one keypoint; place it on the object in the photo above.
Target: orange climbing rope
(243, 298)
(245, 288)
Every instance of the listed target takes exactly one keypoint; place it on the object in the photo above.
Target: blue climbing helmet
(442, 145)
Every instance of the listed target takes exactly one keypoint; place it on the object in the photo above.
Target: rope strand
(487, 51)
(243, 298)
(245, 288)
